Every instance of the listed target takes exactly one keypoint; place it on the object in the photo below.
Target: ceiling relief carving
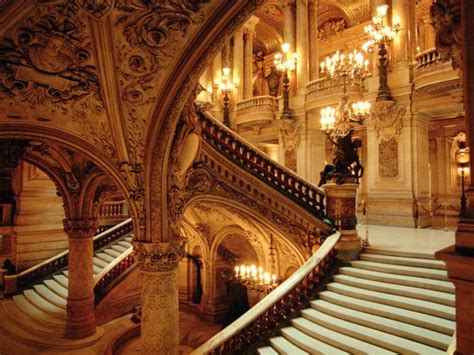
(96, 9)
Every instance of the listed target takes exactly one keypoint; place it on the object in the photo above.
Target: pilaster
(160, 302)
(302, 45)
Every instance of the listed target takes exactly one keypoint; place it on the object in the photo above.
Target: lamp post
(337, 122)
(226, 86)
(381, 35)
(462, 159)
(286, 63)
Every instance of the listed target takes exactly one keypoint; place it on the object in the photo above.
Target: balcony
(256, 110)
(433, 74)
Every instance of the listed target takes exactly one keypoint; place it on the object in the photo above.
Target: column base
(81, 319)
(349, 246)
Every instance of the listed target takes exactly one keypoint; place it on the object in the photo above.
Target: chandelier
(351, 70)
(381, 35)
(286, 63)
(255, 277)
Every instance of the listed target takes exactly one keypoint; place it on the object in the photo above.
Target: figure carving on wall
(346, 165)
(273, 80)
(258, 74)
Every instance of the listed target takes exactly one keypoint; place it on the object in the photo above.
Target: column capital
(156, 257)
(249, 26)
(80, 228)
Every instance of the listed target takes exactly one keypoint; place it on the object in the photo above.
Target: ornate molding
(388, 116)
(446, 19)
(290, 132)
(81, 228)
(96, 9)
(331, 29)
(159, 257)
(11, 152)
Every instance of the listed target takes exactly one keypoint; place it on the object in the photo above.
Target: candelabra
(226, 86)
(381, 35)
(255, 277)
(337, 122)
(462, 159)
(286, 63)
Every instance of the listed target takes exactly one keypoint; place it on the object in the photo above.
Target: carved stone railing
(276, 309)
(263, 167)
(259, 109)
(14, 283)
(113, 209)
(113, 273)
(428, 57)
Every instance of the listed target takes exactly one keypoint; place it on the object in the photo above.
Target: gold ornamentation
(156, 257)
(387, 116)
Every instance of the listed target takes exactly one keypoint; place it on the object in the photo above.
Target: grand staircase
(386, 302)
(39, 313)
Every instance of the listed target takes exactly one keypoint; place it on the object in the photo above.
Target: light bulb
(285, 47)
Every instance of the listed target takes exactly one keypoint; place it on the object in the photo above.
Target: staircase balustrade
(260, 165)
(14, 283)
(272, 312)
(112, 273)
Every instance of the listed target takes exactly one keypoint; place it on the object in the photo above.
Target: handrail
(60, 261)
(259, 164)
(428, 57)
(112, 272)
(267, 314)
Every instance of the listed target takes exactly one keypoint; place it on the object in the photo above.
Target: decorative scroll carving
(156, 257)
(388, 119)
(205, 231)
(446, 19)
(81, 228)
(46, 67)
(388, 159)
(96, 9)
(11, 152)
(290, 131)
(331, 29)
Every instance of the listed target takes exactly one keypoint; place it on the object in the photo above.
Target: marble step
(436, 324)
(96, 269)
(367, 334)
(408, 254)
(47, 307)
(54, 286)
(105, 257)
(65, 273)
(408, 291)
(267, 350)
(283, 346)
(100, 263)
(426, 307)
(125, 244)
(119, 248)
(435, 285)
(61, 279)
(308, 343)
(50, 296)
(112, 253)
(22, 320)
(401, 260)
(401, 270)
(341, 341)
(128, 239)
(36, 314)
(388, 326)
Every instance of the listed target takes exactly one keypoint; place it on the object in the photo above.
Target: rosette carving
(156, 257)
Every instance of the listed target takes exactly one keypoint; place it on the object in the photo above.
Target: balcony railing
(427, 58)
(259, 109)
(326, 86)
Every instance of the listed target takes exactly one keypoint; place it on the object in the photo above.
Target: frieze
(156, 257)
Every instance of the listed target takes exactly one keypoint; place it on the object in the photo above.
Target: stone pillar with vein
(80, 322)
(238, 64)
(302, 44)
(160, 303)
(313, 39)
(248, 58)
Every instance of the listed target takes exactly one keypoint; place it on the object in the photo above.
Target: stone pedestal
(80, 321)
(341, 206)
(160, 302)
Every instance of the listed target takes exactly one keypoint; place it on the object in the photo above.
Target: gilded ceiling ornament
(96, 8)
(388, 118)
(331, 29)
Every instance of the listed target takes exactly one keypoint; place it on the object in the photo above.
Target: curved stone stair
(386, 302)
(39, 313)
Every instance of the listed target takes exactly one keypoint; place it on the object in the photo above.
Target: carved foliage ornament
(96, 8)
(388, 159)
(46, 64)
(331, 29)
(387, 116)
(11, 152)
(80, 228)
(155, 257)
(290, 131)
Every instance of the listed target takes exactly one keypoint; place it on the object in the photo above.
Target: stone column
(160, 304)
(302, 44)
(289, 23)
(248, 58)
(238, 61)
(341, 205)
(313, 39)
(401, 45)
(80, 321)
(216, 75)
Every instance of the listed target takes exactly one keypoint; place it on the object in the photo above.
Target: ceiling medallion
(98, 9)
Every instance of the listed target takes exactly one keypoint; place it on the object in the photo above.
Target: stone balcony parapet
(256, 110)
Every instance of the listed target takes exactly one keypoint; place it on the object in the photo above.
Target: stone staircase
(386, 302)
(39, 313)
